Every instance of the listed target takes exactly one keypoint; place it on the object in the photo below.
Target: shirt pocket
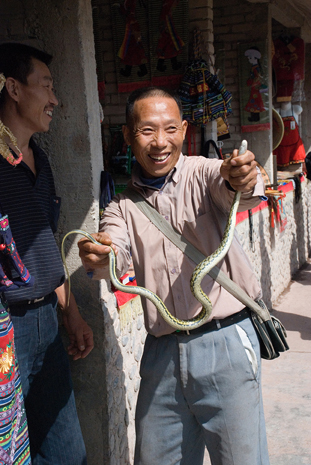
(249, 350)
(196, 231)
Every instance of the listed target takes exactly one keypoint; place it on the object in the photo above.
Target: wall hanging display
(150, 42)
(253, 85)
(288, 64)
(204, 98)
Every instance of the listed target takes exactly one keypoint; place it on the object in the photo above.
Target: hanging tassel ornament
(272, 214)
(5, 133)
(272, 217)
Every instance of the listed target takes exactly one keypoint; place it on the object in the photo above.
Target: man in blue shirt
(27, 196)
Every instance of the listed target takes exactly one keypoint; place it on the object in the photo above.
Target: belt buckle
(34, 301)
(183, 331)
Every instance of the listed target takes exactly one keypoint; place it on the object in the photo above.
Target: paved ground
(287, 379)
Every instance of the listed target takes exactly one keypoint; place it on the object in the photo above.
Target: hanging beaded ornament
(6, 132)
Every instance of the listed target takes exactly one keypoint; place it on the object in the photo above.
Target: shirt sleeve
(114, 223)
(223, 196)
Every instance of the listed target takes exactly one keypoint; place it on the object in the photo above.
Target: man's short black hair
(145, 92)
(16, 61)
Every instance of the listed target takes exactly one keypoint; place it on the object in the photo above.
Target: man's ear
(11, 86)
(126, 134)
(184, 128)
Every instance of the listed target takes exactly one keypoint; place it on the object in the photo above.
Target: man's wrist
(228, 186)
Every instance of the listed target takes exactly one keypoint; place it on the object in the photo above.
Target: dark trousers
(54, 429)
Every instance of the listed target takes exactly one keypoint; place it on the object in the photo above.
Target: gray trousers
(201, 390)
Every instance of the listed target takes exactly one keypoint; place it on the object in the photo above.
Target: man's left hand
(79, 332)
(240, 171)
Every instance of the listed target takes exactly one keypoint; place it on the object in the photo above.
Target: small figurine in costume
(291, 150)
(288, 63)
(170, 44)
(255, 104)
(132, 51)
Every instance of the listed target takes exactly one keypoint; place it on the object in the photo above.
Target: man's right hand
(93, 256)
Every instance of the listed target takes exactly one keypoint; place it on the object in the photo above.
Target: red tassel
(272, 217)
(278, 215)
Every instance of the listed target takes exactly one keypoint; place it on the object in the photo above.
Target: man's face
(156, 134)
(36, 99)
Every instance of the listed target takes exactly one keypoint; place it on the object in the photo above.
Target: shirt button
(173, 271)
(166, 217)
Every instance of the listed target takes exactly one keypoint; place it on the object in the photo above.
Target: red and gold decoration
(149, 42)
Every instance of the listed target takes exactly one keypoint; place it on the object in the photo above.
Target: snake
(201, 270)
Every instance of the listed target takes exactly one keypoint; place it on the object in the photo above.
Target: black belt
(39, 301)
(215, 324)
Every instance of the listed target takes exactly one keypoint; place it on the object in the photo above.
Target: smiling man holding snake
(199, 387)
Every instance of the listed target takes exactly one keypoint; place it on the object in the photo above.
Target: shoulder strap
(192, 252)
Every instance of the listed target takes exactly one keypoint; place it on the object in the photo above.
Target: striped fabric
(33, 208)
(14, 441)
(203, 97)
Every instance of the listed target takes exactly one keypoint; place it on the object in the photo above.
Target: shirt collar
(39, 155)
(173, 174)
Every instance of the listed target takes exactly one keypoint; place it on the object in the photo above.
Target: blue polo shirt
(33, 209)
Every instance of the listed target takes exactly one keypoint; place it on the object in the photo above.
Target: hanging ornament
(5, 132)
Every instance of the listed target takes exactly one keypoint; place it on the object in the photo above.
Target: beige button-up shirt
(196, 201)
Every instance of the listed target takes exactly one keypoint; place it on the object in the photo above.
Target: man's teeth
(159, 157)
(48, 113)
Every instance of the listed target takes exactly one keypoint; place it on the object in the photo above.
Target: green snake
(195, 283)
